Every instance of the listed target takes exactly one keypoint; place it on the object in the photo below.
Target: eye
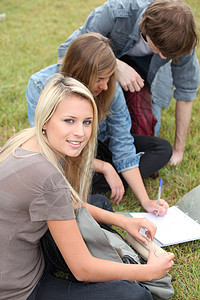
(87, 122)
(69, 121)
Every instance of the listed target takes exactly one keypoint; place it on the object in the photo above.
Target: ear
(44, 127)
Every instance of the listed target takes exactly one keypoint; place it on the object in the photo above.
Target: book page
(174, 228)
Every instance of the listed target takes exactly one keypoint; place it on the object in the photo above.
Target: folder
(180, 224)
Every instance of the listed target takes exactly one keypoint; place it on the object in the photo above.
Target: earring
(43, 131)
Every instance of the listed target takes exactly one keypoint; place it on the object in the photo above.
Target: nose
(79, 130)
(104, 84)
(162, 56)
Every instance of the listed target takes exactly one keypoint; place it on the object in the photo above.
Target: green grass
(29, 39)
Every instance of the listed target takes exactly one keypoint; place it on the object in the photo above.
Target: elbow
(84, 273)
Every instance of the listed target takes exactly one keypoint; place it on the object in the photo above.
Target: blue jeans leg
(53, 288)
(157, 113)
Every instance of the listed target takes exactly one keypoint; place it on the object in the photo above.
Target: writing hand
(152, 207)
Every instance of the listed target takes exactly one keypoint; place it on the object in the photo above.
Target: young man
(158, 38)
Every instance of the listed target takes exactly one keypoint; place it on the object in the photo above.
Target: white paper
(174, 228)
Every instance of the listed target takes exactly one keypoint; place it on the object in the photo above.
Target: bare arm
(88, 268)
(128, 78)
(112, 178)
(134, 179)
(183, 115)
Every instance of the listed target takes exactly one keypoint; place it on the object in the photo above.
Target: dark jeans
(157, 153)
(52, 288)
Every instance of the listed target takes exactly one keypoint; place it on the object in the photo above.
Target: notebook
(180, 224)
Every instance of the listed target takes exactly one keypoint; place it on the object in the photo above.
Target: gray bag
(109, 245)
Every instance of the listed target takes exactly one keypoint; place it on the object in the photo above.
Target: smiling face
(70, 127)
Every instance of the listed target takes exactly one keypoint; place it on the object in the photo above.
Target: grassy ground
(29, 39)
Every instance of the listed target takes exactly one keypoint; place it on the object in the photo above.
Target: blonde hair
(88, 56)
(171, 27)
(77, 171)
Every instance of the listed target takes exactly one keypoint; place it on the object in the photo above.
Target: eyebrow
(105, 76)
(73, 117)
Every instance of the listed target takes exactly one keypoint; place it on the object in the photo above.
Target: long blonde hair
(88, 56)
(77, 171)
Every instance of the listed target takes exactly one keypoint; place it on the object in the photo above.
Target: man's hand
(176, 158)
(128, 78)
(183, 115)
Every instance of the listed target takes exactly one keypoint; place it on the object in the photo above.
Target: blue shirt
(116, 126)
(119, 21)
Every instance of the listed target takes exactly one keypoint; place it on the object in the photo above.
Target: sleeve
(100, 20)
(185, 74)
(33, 92)
(121, 142)
(53, 200)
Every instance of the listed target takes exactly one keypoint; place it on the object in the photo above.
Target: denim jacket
(116, 127)
(119, 21)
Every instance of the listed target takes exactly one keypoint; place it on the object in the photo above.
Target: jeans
(157, 153)
(52, 288)
(157, 113)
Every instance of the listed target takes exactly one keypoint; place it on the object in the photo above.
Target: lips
(75, 144)
(98, 92)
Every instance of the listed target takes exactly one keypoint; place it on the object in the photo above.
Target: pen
(159, 193)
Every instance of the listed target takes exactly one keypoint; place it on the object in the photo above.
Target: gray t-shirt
(32, 191)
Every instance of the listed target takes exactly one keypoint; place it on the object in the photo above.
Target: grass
(29, 39)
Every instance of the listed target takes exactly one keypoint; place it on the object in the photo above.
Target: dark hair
(171, 27)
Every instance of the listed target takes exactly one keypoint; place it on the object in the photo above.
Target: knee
(100, 201)
(167, 148)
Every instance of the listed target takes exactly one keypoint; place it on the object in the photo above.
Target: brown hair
(87, 57)
(171, 27)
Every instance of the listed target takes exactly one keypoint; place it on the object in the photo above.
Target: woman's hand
(152, 207)
(115, 183)
(160, 265)
(112, 178)
(133, 226)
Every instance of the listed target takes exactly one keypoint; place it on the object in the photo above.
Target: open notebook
(182, 222)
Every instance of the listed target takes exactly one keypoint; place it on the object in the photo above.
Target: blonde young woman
(45, 174)
(91, 60)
